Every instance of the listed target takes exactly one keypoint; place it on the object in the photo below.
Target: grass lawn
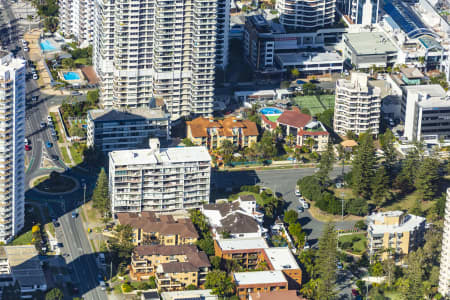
(23, 239)
(76, 156)
(65, 155)
(408, 203)
(359, 246)
(272, 118)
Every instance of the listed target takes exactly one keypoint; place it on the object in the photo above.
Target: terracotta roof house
(301, 127)
(164, 230)
(239, 218)
(211, 133)
(275, 295)
(174, 267)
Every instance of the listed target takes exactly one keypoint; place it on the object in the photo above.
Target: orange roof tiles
(199, 126)
(294, 118)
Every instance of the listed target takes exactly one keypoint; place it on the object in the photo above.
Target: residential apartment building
(121, 129)
(358, 105)
(150, 229)
(223, 31)
(211, 133)
(264, 40)
(425, 110)
(260, 281)
(21, 264)
(159, 179)
(187, 295)
(12, 150)
(240, 218)
(306, 14)
(281, 294)
(444, 274)
(174, 267)
(395, 230)
(76, 19)
(299, 129)
(157, 49)
(360, 11)
(253, 253)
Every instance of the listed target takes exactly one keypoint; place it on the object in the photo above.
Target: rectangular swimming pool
(71, 76)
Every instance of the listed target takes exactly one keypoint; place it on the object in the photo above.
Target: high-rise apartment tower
(444, 274)
(160, 49)
(306, 14)
(12, 148)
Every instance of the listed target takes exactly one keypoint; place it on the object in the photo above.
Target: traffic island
(55, 183)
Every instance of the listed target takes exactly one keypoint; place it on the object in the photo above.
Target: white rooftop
(410, 222)
(281, 258)
(429, 96)
(261, 277)
(7, 62)
(433, 90)
(310, 57)
(164, 156)
(242, 243)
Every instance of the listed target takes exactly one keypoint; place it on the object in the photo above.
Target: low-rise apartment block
(149, 229)
(300, 127)
(21, 264)
(212, 133)
(157, 179)
(260, 281)
(116, 129)
(174, 267)
(189, 295)
(282, 294)
(426, 111)
(396, 231)
(240, 218)
(358, 106)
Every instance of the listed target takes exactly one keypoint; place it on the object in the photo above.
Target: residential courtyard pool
(270, 111)
(48, 46)
(71, 76)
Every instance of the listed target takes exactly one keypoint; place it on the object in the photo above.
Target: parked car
(306, 246)
(27, 147)
(34, 98)
(297, 193)
(35, 77)
(300, 209)
(26, 49)
(49, 119)
(74, 214)
(339, 265)
(48, 144)
(43, 124)
(55, 138)
(55, 157)
(26, 141)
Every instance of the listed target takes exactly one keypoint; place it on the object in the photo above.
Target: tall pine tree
(326, 263)
(326, 165)
(387, 145)
(427, 179)
(380, 186)
(100, 197)
(363, 169)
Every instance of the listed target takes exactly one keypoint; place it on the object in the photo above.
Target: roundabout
(55, 183)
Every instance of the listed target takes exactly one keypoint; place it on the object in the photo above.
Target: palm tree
(310, 142)
(289, 139)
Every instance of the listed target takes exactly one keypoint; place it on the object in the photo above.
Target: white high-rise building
(160, 49)
(223, 30)
(357, 106)
(444, 274)
(12, 148)
(76, 18)
(306, 14)
(159, 179)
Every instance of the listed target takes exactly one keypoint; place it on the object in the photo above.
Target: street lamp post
(342, 202)
(84, 193)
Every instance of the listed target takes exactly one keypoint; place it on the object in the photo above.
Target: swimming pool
(270, 111)
(71, 76)
(46, 45)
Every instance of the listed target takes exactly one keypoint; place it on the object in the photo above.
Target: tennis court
(315, 104)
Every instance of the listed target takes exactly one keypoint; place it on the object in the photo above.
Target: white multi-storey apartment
(159, 179)
(444, 274)
(306, 14)
(12, 148)
(161, 49)
(77, 18)
(357, 106)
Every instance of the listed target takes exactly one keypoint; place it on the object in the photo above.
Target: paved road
(284, 182)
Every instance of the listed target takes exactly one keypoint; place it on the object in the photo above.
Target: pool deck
(73, 81)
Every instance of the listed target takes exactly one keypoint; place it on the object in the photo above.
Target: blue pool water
(46, 45)
(71, 76)
(270, 111)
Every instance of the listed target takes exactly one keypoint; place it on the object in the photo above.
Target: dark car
(55, 157)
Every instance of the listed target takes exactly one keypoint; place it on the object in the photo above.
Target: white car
(49, 119)
(303, 203)
(35, 77)
(297, 193)
(27, 141)
(26, 49)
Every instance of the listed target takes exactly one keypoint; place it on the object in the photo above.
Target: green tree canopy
(54, 294)
(220, 283)
(290, 216)
(100, 196)
(427, 178)
(326, 260)
(363, 165)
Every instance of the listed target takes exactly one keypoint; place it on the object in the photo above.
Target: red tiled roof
(225, 127)
(272, 125)
(294, 118)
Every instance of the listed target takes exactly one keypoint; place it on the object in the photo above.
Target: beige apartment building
(174, 267)
(212, 133)
(149, 229)
(357, 106)
(395, 231)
